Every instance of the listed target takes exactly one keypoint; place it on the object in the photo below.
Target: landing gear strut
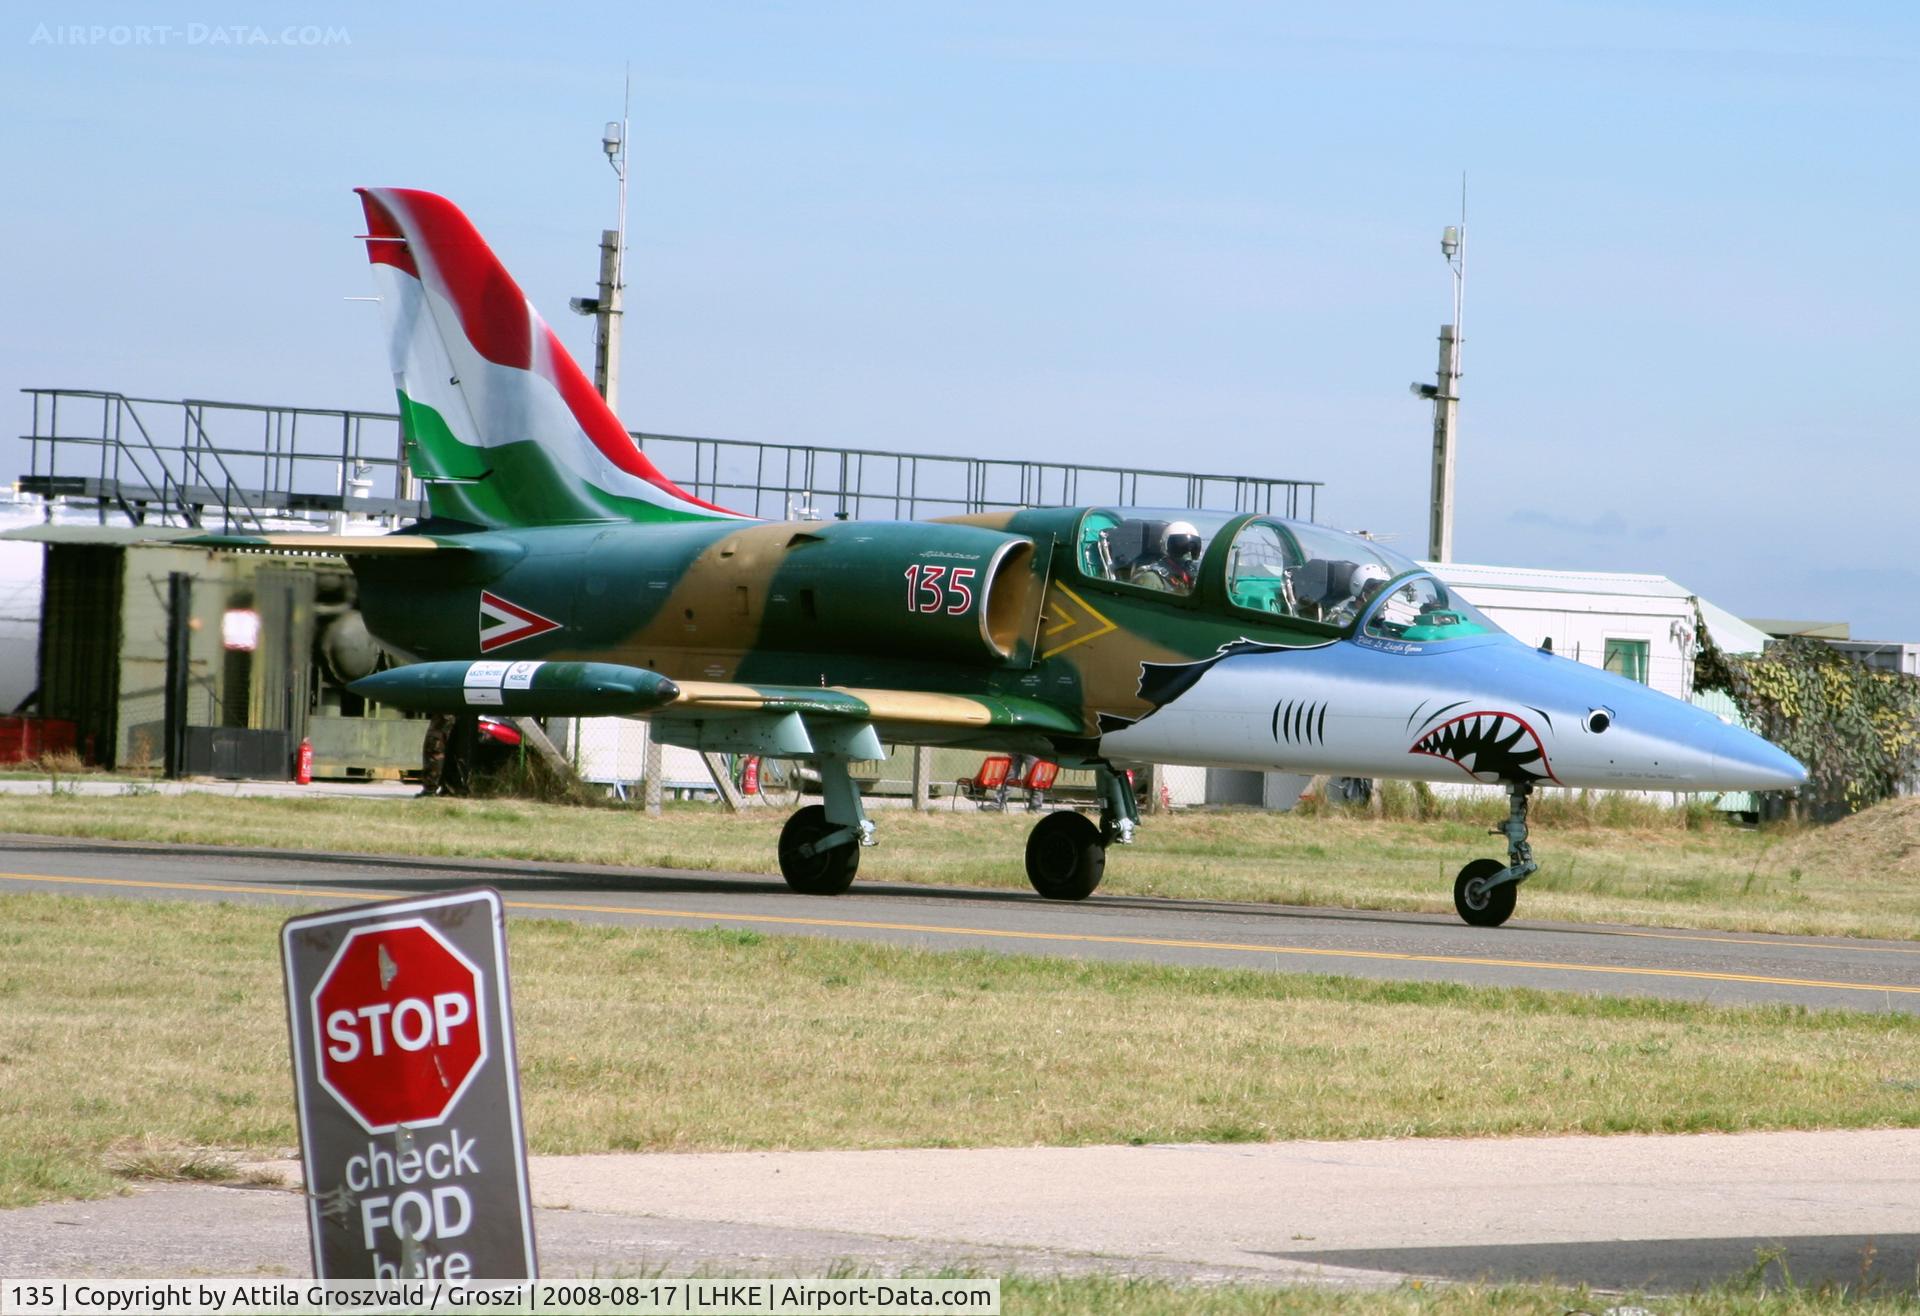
(820, 845)
(1067, 852)
(1485, 891)
(1119, 812)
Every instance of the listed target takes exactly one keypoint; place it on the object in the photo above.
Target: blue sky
(1197, 235)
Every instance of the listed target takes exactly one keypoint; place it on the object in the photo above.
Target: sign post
(408, 1088)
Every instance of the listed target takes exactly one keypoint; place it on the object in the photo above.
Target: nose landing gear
(1486, 891)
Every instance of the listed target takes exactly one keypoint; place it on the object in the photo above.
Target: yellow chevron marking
(1092, 615)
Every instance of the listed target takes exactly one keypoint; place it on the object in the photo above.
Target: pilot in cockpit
(1335, 592)
(1169, 558)
(1363, 587)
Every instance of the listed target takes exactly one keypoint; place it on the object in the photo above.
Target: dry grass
(1096, 1296)
(1603, 859)
(152, 1036)
(1886, 836)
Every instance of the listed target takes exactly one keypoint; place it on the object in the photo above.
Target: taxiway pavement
(1647, 1213)
(1717, 967)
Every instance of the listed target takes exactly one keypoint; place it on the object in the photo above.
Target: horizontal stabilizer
(295, 541)
(525, 689)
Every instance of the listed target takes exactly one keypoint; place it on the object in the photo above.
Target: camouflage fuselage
(979, 606)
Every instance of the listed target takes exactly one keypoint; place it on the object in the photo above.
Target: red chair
(993, 771)
(1040, 776)
(984, 785)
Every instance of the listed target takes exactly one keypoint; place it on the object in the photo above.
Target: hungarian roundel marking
(503, 622)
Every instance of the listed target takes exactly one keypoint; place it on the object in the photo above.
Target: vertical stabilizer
(499, 420)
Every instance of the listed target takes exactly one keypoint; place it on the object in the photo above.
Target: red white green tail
(499, 421)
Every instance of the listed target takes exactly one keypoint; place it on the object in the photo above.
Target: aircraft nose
(1744, 761)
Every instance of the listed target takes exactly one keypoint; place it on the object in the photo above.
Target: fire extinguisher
(750, 775)
(303, 764)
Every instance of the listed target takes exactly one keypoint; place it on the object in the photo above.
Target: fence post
(179, 663)
(922, 778)
(651, 768)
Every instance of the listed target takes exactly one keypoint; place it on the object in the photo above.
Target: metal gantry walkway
(235, 465)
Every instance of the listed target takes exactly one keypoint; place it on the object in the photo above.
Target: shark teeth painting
(1489, 746)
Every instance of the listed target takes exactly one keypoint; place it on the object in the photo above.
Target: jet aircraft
(560, 573)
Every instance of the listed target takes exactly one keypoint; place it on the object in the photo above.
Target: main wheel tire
(825, 872)
(1486, 907)
(1065, 856)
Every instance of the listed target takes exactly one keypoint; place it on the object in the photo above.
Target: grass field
(1603, 860)
(150, 1039)
(1133, 1297)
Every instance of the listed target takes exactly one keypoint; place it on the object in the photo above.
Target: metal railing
(237, 463)
(784, 480)
(246, 463)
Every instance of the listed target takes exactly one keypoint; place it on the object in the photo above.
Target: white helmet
(1183, 540)
(1369, 574)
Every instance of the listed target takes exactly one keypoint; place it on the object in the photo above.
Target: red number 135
(925, 592)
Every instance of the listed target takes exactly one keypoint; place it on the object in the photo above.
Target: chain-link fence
(612, 752)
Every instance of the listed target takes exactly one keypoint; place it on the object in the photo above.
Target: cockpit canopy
(1275, 567)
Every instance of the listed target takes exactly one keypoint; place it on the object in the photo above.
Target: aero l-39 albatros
(561, 573)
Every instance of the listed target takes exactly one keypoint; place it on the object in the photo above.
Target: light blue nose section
(1743, 761)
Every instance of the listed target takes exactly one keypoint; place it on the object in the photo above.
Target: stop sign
(398, 1025)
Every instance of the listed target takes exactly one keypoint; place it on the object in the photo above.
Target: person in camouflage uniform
(433, 753)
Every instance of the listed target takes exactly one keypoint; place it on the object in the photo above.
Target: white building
(1640, 626)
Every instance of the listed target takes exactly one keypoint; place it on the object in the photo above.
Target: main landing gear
(1486, 890)
(1067, 852)
(820, 845)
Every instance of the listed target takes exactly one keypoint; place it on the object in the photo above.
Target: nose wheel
(1481, 904)
(1487, 890)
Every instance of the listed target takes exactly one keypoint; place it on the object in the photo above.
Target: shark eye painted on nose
(1597, 720)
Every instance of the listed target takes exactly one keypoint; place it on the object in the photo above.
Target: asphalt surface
(1651, 1214)
(1723, 968)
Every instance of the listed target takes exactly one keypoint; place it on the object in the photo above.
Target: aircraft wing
(886, 708)
(799, 720)
(784, 720)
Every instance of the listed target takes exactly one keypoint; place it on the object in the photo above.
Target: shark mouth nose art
(1489, 747)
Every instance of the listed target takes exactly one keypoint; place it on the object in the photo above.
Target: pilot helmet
(1368, 576)
(1183, 541)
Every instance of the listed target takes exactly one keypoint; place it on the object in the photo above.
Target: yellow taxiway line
(1002, 934)
(1841, 944)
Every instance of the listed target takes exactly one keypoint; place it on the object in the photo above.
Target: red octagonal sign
(398, 1024)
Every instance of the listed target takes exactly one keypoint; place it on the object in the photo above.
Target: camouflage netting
(1856, 728)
